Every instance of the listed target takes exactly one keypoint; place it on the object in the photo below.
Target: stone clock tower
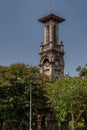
(51, 51)
(51, 64)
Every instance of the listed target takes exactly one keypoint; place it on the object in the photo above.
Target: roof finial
(51, 6)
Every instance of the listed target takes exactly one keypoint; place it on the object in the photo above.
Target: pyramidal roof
(51, 16)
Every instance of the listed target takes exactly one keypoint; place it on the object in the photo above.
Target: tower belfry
(51, 51)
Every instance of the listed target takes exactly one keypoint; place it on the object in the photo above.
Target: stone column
(45, 35)
(51, 70)
(39, 120)
(57, 34)
(51, 36)
(51, 33)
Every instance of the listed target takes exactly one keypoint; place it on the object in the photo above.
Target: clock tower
(51, 51)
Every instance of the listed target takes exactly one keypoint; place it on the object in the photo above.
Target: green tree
(68, 97)
(82, 71)
(15, 83)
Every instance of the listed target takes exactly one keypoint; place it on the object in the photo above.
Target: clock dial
(46, 62)
(56, 63)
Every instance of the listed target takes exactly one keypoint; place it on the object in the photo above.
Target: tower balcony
(51, 46)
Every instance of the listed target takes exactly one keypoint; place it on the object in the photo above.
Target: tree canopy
(68, 97)
(82, 71)
(15, 83)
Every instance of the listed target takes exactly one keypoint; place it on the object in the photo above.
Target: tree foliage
(15, 83)
(82, 71)
(68, 97)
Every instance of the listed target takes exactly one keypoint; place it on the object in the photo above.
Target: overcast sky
(21, 33)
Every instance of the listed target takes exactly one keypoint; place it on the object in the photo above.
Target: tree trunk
(85, 118)
(73, 127)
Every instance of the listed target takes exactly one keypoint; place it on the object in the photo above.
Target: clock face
(56, 63)
(46, 62)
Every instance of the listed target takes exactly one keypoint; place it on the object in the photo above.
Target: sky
(21, 33)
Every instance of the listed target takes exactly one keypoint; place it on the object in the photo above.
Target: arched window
(47, 34)
(54, 34)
